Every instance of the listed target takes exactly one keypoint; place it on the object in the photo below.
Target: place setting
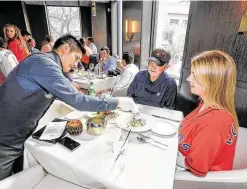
(148, 129)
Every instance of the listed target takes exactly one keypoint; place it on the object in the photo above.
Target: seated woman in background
(15, 41)
(207, 137)
(85, 57)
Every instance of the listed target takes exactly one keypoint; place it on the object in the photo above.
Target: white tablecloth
(99, 84)
(145, 166)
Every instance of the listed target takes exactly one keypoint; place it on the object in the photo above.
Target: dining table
(100, 162)
(100, 82)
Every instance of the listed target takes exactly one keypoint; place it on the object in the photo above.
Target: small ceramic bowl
(96, 125)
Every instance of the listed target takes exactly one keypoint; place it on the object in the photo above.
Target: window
(174, 22)
(62, 20)
(171, 31)
(185, 22)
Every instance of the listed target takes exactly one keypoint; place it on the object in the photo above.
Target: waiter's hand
(84, 91)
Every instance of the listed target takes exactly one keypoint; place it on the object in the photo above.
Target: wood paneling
(214, 25)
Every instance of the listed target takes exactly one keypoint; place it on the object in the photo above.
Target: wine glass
(91, 67)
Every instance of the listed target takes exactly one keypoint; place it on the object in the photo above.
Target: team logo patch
(180, 137)
(231, 137)
(185, 146)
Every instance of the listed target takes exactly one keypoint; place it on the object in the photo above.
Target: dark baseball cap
(160, 56)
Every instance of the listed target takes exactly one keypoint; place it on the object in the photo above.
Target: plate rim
(173, 126)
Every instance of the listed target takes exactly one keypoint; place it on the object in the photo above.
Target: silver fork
(142, 140)
(149, 138)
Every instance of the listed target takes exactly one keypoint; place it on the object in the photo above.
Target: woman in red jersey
(15, 41)
(207, 137)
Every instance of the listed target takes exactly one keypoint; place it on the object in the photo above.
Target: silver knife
(166, 118)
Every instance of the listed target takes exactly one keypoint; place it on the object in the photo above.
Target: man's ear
(66, 48)
(166, 66)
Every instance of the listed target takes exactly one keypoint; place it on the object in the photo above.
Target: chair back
(121, 92)
(240, 158)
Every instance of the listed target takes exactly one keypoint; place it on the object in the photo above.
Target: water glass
(91, 66)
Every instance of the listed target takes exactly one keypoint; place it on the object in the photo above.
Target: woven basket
(74, 127)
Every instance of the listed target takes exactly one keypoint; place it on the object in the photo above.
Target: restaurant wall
(86, 23)
(133, 10)
(11, 12)
(214, 25)
(38, 23)
(99, 26)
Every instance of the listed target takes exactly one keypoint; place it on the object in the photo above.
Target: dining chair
(36, 178)
(235, 178)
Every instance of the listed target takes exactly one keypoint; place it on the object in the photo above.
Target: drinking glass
(91, 66)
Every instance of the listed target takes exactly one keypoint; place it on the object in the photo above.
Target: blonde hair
(17, 36)
(216, 71)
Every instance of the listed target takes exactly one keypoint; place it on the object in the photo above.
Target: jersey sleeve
(206, 146)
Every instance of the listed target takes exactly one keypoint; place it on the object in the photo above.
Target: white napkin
(98, 164)
(53, 130)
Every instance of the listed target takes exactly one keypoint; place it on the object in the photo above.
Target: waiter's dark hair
(128, 57)
(90, 39)
(71, 40)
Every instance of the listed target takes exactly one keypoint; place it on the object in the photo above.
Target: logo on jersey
(231, 137)
(185, 146)
(180, 137)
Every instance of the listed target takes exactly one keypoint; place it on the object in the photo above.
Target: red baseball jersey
(18, 49)
(207, 140)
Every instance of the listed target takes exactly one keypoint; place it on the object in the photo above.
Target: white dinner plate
(125, 117)
(162, 127)
(74, 115)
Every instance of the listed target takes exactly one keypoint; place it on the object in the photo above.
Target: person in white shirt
(49, 44)
(128, 71)
(90, 43)
(7, 61)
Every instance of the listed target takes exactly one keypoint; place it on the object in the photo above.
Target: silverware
(166, 118)
(149, 138)
(122, 147)
(142, 140)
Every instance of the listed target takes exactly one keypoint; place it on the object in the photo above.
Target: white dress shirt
(127, 76)
(7, 61)
(93, 48)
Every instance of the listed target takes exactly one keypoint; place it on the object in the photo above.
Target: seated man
(32, 44)
(7, 61)
(154, 87)
(106, 62)
(128, 71)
